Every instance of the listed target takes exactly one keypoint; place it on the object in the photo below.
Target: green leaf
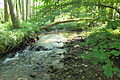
(108, 70)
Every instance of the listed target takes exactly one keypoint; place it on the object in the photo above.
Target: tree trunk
(19, 2)
(5, 11)
(30, 11)
(15, 21)
(17, 9)
(23, 15)
(26, 10)
(20, 9)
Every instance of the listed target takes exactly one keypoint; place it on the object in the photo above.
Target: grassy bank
(9, 37)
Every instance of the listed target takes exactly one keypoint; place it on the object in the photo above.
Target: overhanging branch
(100, 5)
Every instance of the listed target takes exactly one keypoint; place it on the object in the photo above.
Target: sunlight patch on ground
(85, 33)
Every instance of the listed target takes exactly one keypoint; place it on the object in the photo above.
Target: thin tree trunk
(17, 9)
(20, 9)
(26, 10)
(6, 16)
(23, 12)
(19, 2)
(30, 8)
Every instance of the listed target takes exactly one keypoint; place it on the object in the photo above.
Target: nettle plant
(105, 48)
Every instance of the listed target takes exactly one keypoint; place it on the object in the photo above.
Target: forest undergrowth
(104, 50)
(11, 38)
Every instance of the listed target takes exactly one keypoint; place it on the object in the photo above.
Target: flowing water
(34, 62)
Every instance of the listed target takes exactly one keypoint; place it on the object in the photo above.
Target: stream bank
(34, 63)
(76, 68)
(52, 57)
(25, 41)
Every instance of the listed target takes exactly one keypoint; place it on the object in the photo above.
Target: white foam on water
(9, 59)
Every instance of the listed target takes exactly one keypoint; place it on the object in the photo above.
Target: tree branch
(109, 7)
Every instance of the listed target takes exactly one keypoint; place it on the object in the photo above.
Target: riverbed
(34, 62)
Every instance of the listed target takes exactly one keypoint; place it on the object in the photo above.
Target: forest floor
(76, 68)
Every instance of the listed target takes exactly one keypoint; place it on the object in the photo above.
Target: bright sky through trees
(1, 4)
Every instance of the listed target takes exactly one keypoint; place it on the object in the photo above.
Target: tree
(19, 2)
(30, 9)
(26, 9)
(5, 11)
(20, 9)
(17, 9)
(23, 12)
(15, 21)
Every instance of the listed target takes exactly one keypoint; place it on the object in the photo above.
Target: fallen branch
(65, 21)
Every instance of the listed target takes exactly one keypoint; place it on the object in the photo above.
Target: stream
(34, 63)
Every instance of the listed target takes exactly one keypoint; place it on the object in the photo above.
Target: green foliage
(104, 43)
(113, 24)
(105, 47)
(12, 37)
(50, 10)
